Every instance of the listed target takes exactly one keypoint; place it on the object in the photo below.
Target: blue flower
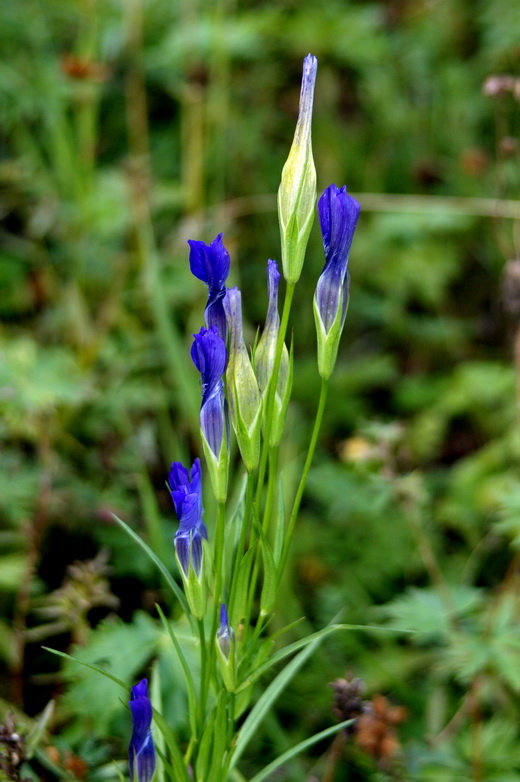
(338, 214)
(186, 491)
(209, 355)
(210, 263)
(141, 752)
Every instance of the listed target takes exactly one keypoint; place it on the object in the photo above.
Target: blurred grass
(127, 128)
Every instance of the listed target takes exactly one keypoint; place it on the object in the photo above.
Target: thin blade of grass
(298, 748)
(177, 591)
(88, 665)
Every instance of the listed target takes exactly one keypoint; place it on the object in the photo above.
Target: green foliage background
(129, 127)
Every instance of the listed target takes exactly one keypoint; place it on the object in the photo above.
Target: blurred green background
(130, 126)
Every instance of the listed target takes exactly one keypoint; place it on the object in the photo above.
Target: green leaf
(268, 596)
(203, 762)
(298, 748)
(427, 614)
(269, 696)
(156, 699)
(239, 609)
(279, 531)
(171, 743)
(294, 647)
(118, 650)
(38, 729)
(177, 591)
(192, 700)
(88, 665)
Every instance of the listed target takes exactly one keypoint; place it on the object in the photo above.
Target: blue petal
(338, 212)
(210, 263)
(209, 356)
(141, 752)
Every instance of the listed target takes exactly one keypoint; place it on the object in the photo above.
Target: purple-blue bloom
(186, 491)
(210, 263)
(141, 752)
(209, 355)
(338, 213)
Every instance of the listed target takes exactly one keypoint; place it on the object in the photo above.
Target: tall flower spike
(186, 491)
(265, 355)
(209, 356)
(210, 263)
(243, 393)
(297, 191)
(338, 212)
(141, 752)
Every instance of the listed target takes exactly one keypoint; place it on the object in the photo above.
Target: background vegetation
(129, 127)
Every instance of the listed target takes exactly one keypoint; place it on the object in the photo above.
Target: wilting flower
(265, 357)
(338, 212)
(225, 642)
(186, 491)
(297, 191)
(243, 392)
(210, 263)
(141, 752)
(209, 356)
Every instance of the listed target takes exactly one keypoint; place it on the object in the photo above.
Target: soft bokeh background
(130, 126)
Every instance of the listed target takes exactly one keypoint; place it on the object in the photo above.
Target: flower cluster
(252, 389)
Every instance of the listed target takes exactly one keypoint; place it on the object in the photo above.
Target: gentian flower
(265, 356)
(209, 356)
(186, 492)
(141, 752)
(297, 191)
(338, 213)
(210, 263)
(225, 642)
(243, 393)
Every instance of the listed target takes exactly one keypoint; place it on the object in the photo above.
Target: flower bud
(338, 213)
(265, 356)
(297, 191)
(244, 399)
(226, 650)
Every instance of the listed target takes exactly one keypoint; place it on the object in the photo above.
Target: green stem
(271, 391)
(242, 540)
(217, 596)
(266, 450)
(305, 473)
(203, 675)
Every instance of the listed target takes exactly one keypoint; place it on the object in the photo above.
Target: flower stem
(242, 540)
(303, 480)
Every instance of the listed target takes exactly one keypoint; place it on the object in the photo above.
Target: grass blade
(301, 747)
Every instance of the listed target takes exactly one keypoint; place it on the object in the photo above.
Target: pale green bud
(244, 399)
(265, 356)
(297, 191)
(226, 650)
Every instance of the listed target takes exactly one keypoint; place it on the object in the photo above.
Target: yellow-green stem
(303, 480)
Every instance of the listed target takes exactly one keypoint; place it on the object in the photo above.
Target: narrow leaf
(177, 591)
(269, 696)
(88, 665)
(298, 748)
(192, 700)
(171, 742)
